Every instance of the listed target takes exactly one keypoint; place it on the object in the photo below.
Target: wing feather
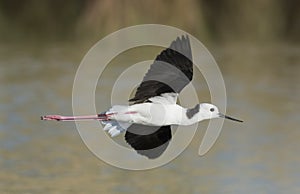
(171, 71)
(150, 141)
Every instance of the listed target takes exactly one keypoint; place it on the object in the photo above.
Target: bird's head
(210, 111)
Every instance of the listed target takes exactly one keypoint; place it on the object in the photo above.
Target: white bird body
(162, 110)
(151, 114)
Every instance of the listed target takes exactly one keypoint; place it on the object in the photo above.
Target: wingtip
(184, 37)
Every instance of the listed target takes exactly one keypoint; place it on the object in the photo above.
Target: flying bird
(147, 121)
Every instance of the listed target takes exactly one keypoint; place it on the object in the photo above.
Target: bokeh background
(255, 43)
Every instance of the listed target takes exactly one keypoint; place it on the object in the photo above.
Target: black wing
(150, 141)
(171, 71)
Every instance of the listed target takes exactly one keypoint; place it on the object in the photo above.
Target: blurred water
(259, 156)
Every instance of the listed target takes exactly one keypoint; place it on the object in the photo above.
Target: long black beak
(228, 117)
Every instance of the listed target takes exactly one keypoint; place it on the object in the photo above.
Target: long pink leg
(101, 117)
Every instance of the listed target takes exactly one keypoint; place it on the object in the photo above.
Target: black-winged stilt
(147, 121)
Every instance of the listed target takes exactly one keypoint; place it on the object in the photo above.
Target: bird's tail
(115, 127)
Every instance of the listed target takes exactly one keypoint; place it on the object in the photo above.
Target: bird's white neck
(191, 116)
(178, 115)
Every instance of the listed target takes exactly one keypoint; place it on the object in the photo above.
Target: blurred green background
(216, 20)
(255, 43)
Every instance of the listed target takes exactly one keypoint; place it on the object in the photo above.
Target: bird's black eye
(212, 110)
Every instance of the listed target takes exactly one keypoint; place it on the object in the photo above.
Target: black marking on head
(192, 111)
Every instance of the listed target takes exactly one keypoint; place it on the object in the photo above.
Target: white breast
(157, 114)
